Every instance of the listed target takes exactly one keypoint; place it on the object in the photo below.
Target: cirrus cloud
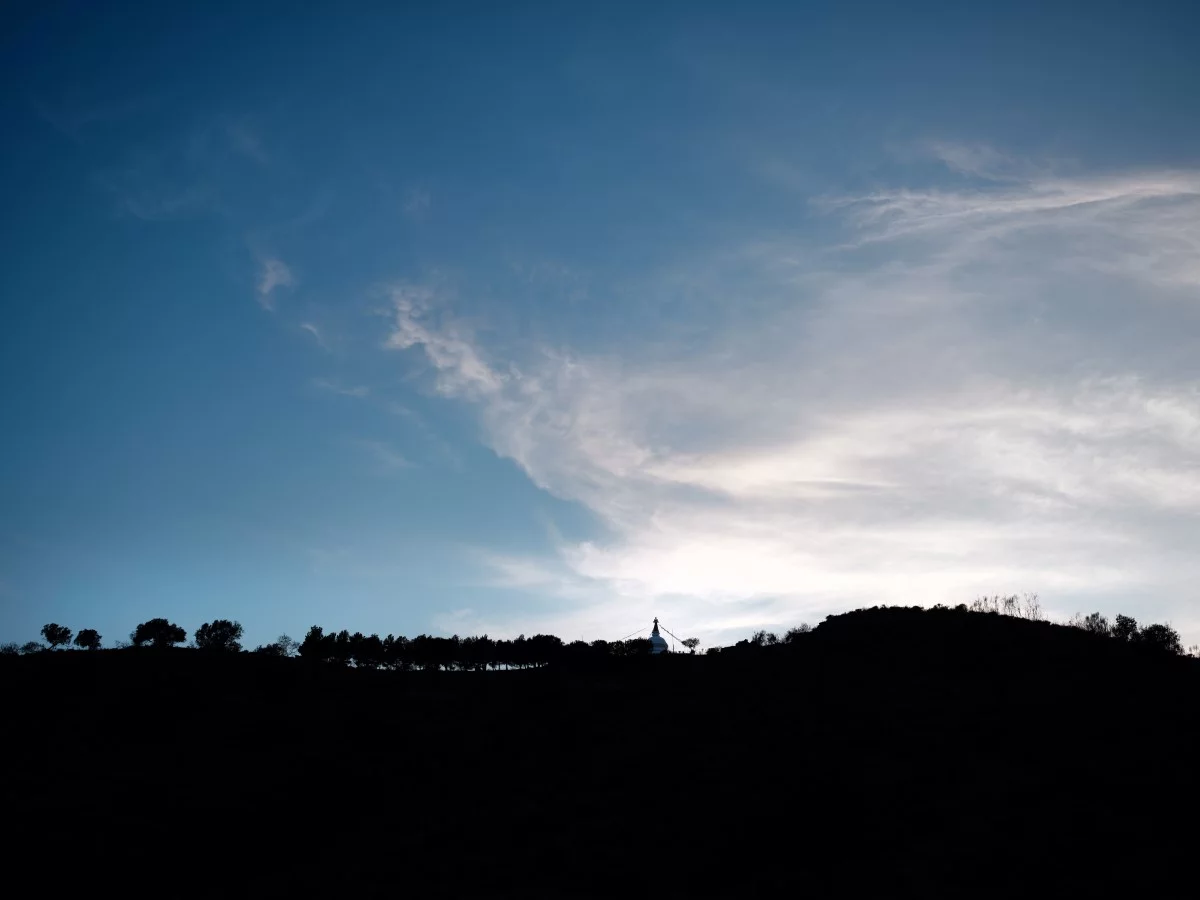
(984, 389)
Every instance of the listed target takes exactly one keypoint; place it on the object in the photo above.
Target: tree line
(1126, 630)
(364, 651)
(218, 635)
(478, 653)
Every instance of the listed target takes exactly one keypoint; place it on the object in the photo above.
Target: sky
(517, 318)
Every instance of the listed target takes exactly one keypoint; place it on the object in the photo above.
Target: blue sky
(553, 318)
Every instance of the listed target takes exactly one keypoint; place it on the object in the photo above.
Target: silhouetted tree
(159, 633)
(425, 652)
(88, 639)
(219, 636)
(1160, 637)
(1125, 628)
(395, 653)
(473, 653)
(343, 648)
(56, 635)
(10, 649)
(31, 647)
(313, 645)
(691, 644)
(366, 650)
(485, 652)
(518, 652)
(544, 648)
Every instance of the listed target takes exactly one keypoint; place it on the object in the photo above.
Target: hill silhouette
(889, 750)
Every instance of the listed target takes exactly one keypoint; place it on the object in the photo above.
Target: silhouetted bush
(1024, 607)
(793, 634)
(284, 646)
(1160, 637)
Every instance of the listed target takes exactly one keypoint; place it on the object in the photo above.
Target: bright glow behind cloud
(994, 389)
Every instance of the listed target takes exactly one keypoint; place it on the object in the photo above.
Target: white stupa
(658, 643)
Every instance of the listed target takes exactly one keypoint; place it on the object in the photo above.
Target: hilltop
(890, 750)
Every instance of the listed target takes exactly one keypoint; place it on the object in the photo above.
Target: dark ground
(891, 751)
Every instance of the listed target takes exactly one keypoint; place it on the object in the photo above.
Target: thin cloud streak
(317, 334)
(357, 390)
(387, 458)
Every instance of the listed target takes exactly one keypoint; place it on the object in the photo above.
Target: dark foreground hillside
(893, 751)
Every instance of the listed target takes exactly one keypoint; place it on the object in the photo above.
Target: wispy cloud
(445, 451)
(979, 160)
(74, 120)
(151, 197)
(457, 364)
(385, 456)
(273, 274)
(416, 201)
(356, 390)
(981, 390)
(317, 334)
(246, 141)
(1142, 225)
(183, 175)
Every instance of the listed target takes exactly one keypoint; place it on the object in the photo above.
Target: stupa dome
(658, 643)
